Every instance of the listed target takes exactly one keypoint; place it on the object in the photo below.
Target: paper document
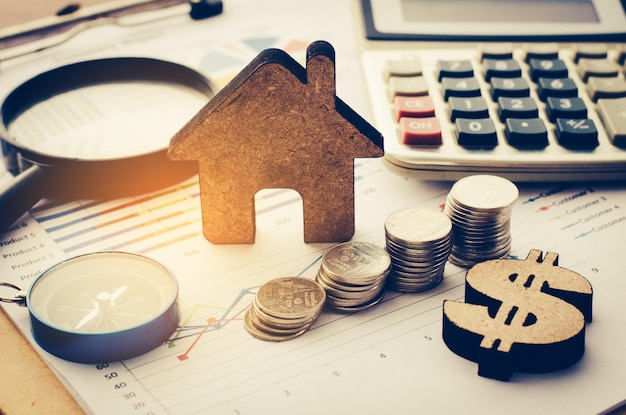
(388, 359)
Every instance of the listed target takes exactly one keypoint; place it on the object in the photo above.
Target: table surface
(27, 385)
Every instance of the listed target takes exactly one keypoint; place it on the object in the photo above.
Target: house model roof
(278, 125)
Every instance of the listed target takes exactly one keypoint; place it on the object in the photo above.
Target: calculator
(530, 112)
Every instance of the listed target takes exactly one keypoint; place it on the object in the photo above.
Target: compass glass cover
(102, 293)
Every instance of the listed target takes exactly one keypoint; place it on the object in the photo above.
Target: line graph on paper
(219, 319)
(213, 365)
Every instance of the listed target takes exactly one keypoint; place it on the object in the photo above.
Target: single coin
(484, 192)
(356, 262)
(363, 306)
(417, 226)
(290, 297)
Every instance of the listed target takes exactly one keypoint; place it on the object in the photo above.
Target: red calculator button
(413, 107)
(420, 131)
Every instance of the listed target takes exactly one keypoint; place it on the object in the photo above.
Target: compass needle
(90, 316)
(117, 293)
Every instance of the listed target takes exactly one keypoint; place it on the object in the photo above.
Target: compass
(102, 307)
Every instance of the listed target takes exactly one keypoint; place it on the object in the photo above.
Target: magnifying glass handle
(20, 194)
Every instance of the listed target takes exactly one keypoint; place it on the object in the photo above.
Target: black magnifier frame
(38, 175)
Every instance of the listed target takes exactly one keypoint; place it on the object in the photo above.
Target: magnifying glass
(96, 129)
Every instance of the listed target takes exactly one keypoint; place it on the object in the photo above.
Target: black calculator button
(526, 133)
(476, 133)
(454, 69)
(604, 68)
(517, 108)
(559, 87)
(576, 133)
(460, 87)
(541, 51)
(599, 88)
(590, 50)
(612, 112)
(494, 50)
(565, 108)
(621, 54)
(547, 68)
(509, 87)
(501, 68)
(411, 85)
(472, 107)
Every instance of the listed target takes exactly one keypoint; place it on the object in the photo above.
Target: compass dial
(107, 297)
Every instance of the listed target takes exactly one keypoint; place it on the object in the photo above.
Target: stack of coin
(284, 308)
(480, 208)
(419, 242)
(353, 275)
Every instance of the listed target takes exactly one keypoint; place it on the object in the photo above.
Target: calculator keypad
(537, 112)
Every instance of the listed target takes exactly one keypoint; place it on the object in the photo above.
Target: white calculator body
(552, 108)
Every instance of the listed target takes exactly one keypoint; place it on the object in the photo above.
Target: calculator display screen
(495, 20)
(569, 11)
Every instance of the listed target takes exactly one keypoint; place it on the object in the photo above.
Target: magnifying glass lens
(107, 121)
(96, 130)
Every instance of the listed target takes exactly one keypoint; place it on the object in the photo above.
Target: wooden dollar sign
(519, 316)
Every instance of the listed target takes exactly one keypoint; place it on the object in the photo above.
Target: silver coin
(464, 210)
(418, 256)
(290, 297)
(282, 322)
(352, 274)
(476, 245)
(272, 329)
(416, 226)
(473, 222)
(349, 283)
(260, 334)
(484, 192)
(465, 258)
(361, 307)
(356, 262)
(399, 275)
(472, 231)
(326, 281)
(419, 242)
(415, 270)
(418, 249)
(480, 208)
(415, 287)
(487, 246)
(334, 302)
(345, 294)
